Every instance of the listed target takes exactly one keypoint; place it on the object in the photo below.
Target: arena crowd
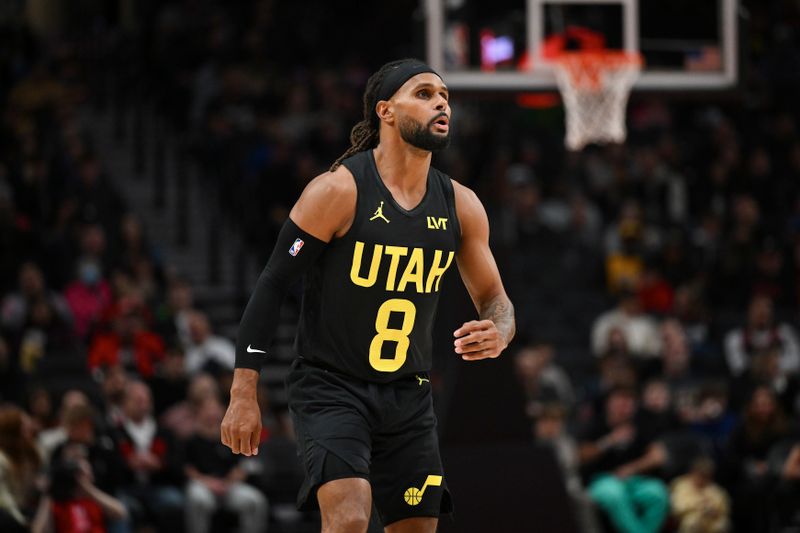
(671, 402)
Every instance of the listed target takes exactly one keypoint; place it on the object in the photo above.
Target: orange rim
(585, 67)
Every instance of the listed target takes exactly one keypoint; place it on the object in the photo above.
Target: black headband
(399, 75)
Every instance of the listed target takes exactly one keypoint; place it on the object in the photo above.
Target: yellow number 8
(385, 333)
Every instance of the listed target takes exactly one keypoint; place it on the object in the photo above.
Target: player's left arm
(490, 335)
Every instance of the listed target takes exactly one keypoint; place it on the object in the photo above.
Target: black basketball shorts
(384, 433)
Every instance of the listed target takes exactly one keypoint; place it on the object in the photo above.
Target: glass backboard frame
(541, 76)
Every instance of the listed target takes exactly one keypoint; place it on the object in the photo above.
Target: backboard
(503, 44)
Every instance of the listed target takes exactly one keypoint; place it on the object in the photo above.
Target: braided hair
(365, 134)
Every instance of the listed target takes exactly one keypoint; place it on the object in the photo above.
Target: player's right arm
(323, 212)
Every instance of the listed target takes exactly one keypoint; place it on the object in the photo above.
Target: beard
(422, 137)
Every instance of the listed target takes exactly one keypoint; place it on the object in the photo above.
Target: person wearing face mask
(88, 296)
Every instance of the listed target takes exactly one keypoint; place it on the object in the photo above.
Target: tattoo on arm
(500, 311)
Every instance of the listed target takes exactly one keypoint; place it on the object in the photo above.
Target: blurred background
(150, 151)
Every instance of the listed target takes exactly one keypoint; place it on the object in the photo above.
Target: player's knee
(350, 520)
(345, 505)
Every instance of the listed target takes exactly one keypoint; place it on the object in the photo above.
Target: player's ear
(385, 111)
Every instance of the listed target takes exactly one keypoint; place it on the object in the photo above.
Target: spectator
(11, 518)
(698, 504)
(40, 408)
(75, 503)
(711, 417)
(612, 455)
(522, 225)
(675, 262)
(656, 415)
(19, 464)
(625, 267)
(765, 370)
(763, 425)
(550, 431)
(46, 333)
(97, 200)
(771, 277)
(89, 296)
(209, 352)
(14, 235)
(639, 331)
(172, 317)
(153, 462)
(759, 335)
(144, 280)
(216, 479)
(676, 368)
(281, 475)
(691, 310)
(613, 370)
(731, 280)
(128, 344)
(50, 439)
(676, 357)
(181, 418)
(171, 381)
(135, 250)
(584, 221)
(16, 307)
(113, 382)
(785, 460)
(9, 383)
(542, 380)
(99, 449)
(655, 293)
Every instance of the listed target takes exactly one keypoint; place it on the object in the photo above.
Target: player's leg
(407, 477)
(424, 524)
(345, 505)
(333, 427)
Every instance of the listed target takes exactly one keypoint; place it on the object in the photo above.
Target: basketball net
(595, 85)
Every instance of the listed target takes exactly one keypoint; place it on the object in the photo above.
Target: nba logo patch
(295, 249)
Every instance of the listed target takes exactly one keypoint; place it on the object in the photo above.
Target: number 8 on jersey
(385, 333)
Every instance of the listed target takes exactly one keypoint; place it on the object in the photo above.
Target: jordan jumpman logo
(379, 213)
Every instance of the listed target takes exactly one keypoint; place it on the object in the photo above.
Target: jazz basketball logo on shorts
(295, 249)
(413, 495)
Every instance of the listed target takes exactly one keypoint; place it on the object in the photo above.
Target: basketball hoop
(595, 85)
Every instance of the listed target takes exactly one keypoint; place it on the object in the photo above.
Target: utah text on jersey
(413, 271)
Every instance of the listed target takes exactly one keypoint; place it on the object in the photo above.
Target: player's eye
(423, 93)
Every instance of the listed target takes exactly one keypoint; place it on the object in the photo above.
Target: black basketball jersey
(370, 299)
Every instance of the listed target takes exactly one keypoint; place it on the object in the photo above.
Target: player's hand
(478, 339)
(241, 427)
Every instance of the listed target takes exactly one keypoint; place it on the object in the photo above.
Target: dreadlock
(364, 135)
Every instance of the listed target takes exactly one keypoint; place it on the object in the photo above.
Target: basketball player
(373, 238)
